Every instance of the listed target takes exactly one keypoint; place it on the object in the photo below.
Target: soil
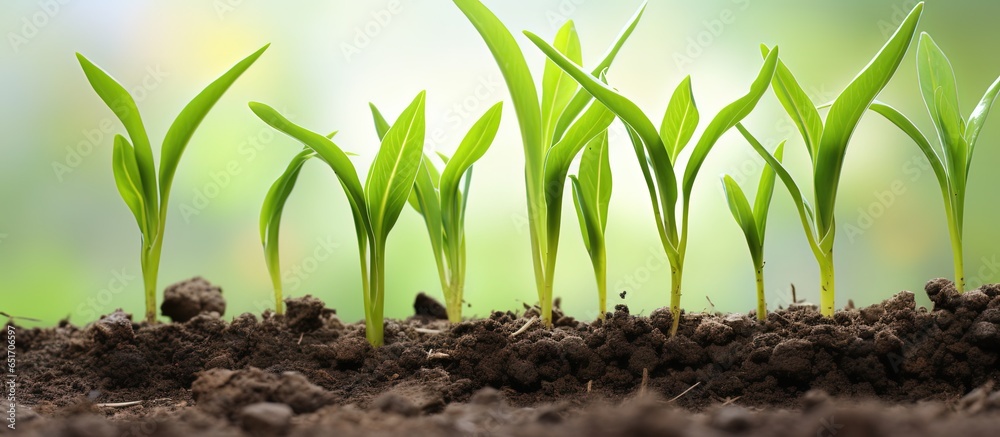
(885, 370)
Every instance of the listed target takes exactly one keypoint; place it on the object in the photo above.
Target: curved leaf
(557, 87)
(392, 174)
(270, 216)
(560, 156)
(680, 120)
(330, 153)
(765, 190)
(515, 71)
(381, 126)
(938, 88)
(595, 177)
(129, 183)
(740, 208)
(978, 117)
(798, 105)
(122, 104)
(846, 112)
(184, 125)
(475, 144)
(726, 119)
(582, 97)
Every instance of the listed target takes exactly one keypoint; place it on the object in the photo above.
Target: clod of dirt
(185, 300)
(394, 403)
(222, 392)
(426, 306)
(266, 418)
(113, 329)
(304, 314)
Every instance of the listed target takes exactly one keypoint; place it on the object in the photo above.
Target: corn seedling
(660, 149)
(951, 163)
(591, 196)
(375, 206)
(145, 193)
(753, 221)
(827, 143)
(441, 198)
(553, 131)
(270, 220)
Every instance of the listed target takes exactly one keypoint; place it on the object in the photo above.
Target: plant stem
(374, 318)
(826, 286)
(150, 258)
(761, 300)
(676, 270)
(454, 299)
(957, 256)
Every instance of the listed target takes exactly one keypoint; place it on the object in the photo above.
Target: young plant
(660, 150)
(591, 196)
(439, 197)
(753, 221)
(545, 124)
(375, 206)
(827, 143)
(145, 192)
(957, 136)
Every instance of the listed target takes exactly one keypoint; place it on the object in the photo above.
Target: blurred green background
(69, 247)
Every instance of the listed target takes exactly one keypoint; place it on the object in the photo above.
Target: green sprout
(753, 221)
(958, 137)
(375, 206)
(145, 193)
(827, 143)
(439, 196)
(660, 149)
(591, 196)
(553, 131)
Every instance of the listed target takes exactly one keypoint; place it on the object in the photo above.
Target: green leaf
(726, 119)
(129, 183)
(594, 121)
(475, 144)
(271, 212)
(805, 214)
(631, 115)
(582, 97)
(122, 104)
(765, 190)
(952, 136)
(798, 105)
(392, 174)
(938, 88)
(557, 87)
(847, 111)
(595, 177)
(381, 126)
(426, 202)
(740, 208)
(978, 117)
(184, 125)
(680, 119)
(587, 215)
(329, 153)
(515, 71)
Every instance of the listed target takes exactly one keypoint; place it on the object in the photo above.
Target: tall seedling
(591, 196)
(958, 137)
(827, 143)
(545, 124)
(441, 197)
(145, 192)
(660, 149)
(753, 221)
(375, 206)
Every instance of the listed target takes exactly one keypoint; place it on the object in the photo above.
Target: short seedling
(958, 137)
(753, 221)
(660, 149)
(439, 196)
(553, 130)
(377, 205)
(591, 196)
(827, 143)
(135, 172)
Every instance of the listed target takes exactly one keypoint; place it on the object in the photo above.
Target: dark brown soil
(891, 369)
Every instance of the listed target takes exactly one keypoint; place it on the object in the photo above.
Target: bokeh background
(69, 247)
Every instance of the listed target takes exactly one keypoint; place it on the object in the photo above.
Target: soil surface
(885, 370)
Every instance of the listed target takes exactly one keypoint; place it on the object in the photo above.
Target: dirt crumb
(185, 300)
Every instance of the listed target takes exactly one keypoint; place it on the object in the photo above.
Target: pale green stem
(676, 272)
(761, 300)
(956, 249)
(150, 270)
(601, 273)
(374, 318)
(827, 293)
